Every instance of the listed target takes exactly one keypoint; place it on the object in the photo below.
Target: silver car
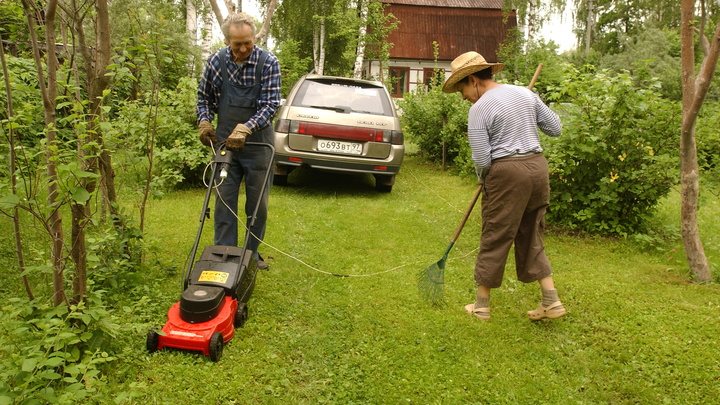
(339, 124)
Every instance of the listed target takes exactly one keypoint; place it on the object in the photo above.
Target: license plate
(347, 148)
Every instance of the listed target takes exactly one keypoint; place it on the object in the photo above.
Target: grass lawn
(637, 332)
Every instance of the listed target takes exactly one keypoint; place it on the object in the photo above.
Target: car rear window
(343, 96)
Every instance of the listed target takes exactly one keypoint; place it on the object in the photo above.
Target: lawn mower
(216, 289)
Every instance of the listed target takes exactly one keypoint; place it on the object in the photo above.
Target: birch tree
(319, 36)
(360, 54)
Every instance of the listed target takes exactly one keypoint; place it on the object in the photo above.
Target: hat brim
(456, 76)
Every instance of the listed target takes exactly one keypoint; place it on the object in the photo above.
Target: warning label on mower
(214, 276)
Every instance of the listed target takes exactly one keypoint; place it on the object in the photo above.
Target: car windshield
(343, 96)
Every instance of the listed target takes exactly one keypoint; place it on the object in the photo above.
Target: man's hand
(207, 133)
(236, 140)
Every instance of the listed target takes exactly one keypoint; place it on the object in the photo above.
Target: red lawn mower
(216, 289)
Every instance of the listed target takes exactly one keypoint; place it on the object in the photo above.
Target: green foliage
(114, 254)
(431, 119)
(380, 25)
(521, 64)
(652, 55)
(166, 126)
(13, 28)
(151, 30)
(53, 354)
(618, 154)
(616, 20)
(27, 103)
(707, 134)
(298, 20)
(292, 65)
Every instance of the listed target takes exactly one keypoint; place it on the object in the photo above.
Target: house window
(433, 76)
(399, 77)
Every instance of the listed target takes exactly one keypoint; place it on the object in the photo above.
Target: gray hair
(237, 19)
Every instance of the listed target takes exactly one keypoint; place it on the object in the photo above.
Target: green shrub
(433, 118)
(618, 154)
(52, 354)
(292, 65)
(707, 134)
(167, 127)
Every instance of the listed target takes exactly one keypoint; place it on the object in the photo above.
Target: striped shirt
(243, 75)
(504, 122)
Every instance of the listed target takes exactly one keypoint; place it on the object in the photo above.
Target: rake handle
(535, 76)
(467, 214)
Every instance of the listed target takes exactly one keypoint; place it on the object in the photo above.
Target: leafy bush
(165, 125)
(653, 55)
(521, 59)
(27, 104)
(618, 154)
(707, 135)
(433, 118)
(52, 354)
(292, 65)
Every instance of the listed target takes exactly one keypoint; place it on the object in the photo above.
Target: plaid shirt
(211, 84)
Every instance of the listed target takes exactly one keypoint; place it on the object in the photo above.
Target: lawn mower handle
(222, 158)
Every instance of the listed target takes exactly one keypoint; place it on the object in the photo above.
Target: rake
(431, 280)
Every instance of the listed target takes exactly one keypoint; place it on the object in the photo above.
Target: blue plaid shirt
(211, 84)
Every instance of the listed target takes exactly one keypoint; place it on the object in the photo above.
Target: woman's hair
(484, 74)
(236, 19)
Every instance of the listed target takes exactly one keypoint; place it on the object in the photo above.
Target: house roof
(456, 29)
(494, 4)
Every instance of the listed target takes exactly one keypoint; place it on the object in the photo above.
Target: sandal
(554, 310)
(480, 313)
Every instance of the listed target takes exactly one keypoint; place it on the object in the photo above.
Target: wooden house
(457, 26)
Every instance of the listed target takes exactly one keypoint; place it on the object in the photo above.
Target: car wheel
(153, 339)
(280, 180)
(216, 346)
(241, 315)
(384, 184)
(383, 188)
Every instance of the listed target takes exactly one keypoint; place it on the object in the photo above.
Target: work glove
(236, 140)
(207, 133)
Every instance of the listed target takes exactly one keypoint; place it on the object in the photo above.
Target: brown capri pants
(515, 198)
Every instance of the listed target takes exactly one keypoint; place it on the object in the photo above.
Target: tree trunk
(207, 40)
(694, 93)
(191, 25)
(321, 60)
(357, 71)
(49, 93)
(13, 181)
(230, 7)
(216, 11)
(269, 11)
(97, 59)
(589, 26)
(532, 18)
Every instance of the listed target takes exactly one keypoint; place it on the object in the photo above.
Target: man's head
(469, 63)
(239, 32)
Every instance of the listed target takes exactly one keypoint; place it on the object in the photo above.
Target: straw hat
(466, 64)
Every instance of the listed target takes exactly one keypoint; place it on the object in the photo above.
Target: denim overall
(237, 105)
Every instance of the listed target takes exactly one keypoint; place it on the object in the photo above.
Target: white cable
(217, 192)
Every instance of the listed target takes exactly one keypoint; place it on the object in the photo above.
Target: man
(241, 84)
(503, 136)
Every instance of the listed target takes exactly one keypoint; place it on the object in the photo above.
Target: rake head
(431, 283)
